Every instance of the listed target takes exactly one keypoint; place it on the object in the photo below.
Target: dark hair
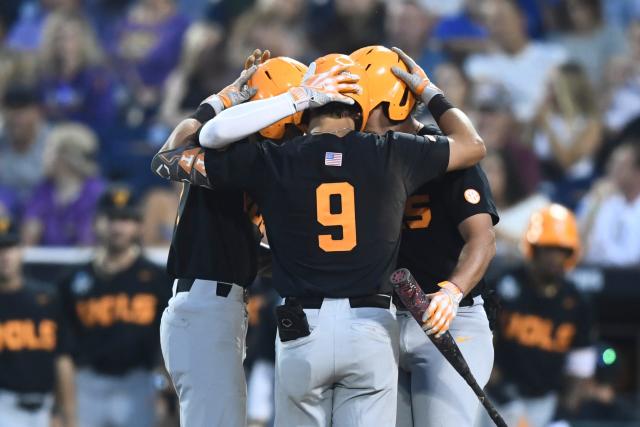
(20, 96)
(337, 110)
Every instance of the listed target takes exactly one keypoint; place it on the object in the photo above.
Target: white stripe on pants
(11, 415)
(432, 393)
(344, 374)
(202, 336)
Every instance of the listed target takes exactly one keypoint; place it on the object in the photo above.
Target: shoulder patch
(472, 196)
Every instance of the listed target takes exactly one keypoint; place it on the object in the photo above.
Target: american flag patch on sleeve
(332, 159)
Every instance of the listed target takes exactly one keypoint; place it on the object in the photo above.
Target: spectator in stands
(22, 140)
(408, 26)
(8, 203)
(623, 81)
(278, 25)
(523, 66)
(202, 70)
(450, 78)
(569, 133)
(458, 30)
(62, 208)
(75, 84)
(492, 112)
(611, 211)
(347, 25)
(513, 203)
(585, 37)
(146, 48)
(26, 34)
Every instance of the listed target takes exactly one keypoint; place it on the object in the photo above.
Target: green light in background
(609, 356)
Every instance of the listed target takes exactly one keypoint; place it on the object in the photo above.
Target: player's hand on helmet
(238, 91)
(256, 58)
(442, 309)
(416, 79)
(317, 90)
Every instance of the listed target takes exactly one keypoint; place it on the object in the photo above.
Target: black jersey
(116, 318)
(332, 206)
(213, 238)
(431, 242)
(32, 334)
(536, 331)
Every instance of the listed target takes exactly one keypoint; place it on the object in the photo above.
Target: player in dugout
(114, 303)
(36, 369)
(544, 345)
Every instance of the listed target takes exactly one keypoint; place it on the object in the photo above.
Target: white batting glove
(317, 90)
(416, 79)
(442, 309)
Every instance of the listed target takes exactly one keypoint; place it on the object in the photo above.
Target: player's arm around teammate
(444, 232)
(178, 159)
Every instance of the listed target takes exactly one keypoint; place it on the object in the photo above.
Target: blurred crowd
(89, 89)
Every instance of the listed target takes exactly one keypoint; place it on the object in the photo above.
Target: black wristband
(204, 113)
(438, 106)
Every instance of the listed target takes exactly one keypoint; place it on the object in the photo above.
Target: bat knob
(399, 276)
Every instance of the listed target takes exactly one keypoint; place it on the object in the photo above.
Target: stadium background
(112, 77)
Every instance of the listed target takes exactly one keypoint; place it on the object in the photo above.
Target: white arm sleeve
(242, 120)
(581, 362)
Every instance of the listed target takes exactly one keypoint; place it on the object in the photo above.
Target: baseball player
(333, 202)
(34, 356)
(114, 303)
(447, 242)
(213, 258)
(544, 330)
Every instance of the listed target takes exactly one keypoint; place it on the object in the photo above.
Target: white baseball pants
(431, 393)
(344, 374)
(115, 401)
(12, 415)
(202, 336)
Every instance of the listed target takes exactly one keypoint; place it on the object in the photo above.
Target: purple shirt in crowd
(8, 202)
(157, 47)
(65, 225)
(88, 97)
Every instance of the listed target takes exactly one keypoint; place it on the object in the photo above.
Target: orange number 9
(345, 219)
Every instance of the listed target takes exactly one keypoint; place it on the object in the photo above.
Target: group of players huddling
(350, 186)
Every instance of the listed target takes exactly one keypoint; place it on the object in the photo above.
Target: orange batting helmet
(384, 86)
(275, 77)
(327, 62)
(553, 226)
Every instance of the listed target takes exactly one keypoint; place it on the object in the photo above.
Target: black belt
(466, 302)
(222, 290)
(370, 301)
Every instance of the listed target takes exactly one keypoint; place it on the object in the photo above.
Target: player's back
(333, 208)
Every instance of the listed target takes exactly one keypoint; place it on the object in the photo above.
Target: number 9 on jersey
(346, 218)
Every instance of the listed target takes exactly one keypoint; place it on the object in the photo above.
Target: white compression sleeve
(242, 120)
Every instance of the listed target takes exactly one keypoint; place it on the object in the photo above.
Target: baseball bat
(412, 296)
